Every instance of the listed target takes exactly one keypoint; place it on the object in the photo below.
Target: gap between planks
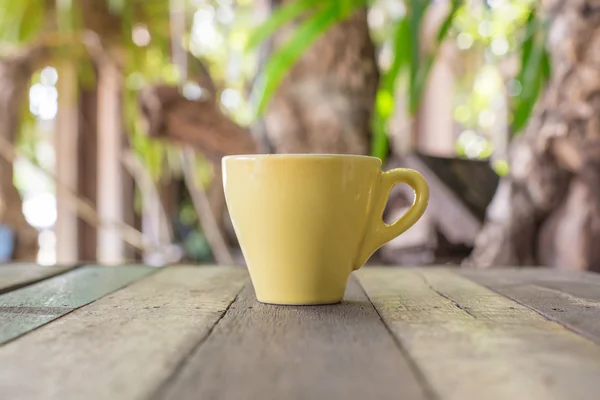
(122, 345)
(30, 307)
(260, 351)
(473, 343)
(18, 275)
(570, 299)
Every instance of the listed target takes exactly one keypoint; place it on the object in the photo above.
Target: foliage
(219, 39)
(317, 17)
(223, 35)
(491, 26)
(494, 95)
(320, 16)
(20, 21)
(534, 71)
(407, 56)
(145, 59)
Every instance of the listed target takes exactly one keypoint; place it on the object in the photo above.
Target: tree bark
(197, 123)
(323, 106)
(15, 73)
(114, 187)
(87, 168)
(325, 102)
(547, 210)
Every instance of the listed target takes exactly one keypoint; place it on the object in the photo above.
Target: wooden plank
(531, 273)
(472, 343)
(577, 283)
(13, 276)
(309, 352)
(30, 307)
(557, 298)
(124, 345)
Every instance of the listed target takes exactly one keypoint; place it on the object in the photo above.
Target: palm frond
(534, 71)
(303, 37)
(418, 77)
(279, 18)
(407, 55)
(384, 101)
(21, 20)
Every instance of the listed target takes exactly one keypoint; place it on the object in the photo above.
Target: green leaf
(546, 65)
(420, 75)
(527, 45)
(402, 51)
(379, 140)
(534, 72)
(303, 37)
(12, 16)
(279, 18)
(64, 15)
(384, 103)
(33, 19)
(417, 86)
(21, 20)
(407, 54)
(117, 6)
(416, 14)
(501, 167)
(447, 24)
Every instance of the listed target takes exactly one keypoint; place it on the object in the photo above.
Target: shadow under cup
(305, 222)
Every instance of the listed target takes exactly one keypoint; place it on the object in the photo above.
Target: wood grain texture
(267, 352)
(124, 345)
(472, 343)
(572, 299)
(16, 275)
(578, 283)
(30, 307)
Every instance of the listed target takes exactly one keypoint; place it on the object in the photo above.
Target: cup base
(298, 303)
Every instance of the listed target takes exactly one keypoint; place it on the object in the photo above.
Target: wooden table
(185, 332)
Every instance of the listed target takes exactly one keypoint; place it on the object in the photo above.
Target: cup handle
(378, 232)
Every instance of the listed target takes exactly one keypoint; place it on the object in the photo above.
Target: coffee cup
(304, 222)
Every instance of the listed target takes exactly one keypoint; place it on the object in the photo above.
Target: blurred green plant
(20, 21)
(491, 24)
(316, 18)
(505, 67)
(24, 22)
(534, 70)
(320, 16)
(142, 42)
(223, 34)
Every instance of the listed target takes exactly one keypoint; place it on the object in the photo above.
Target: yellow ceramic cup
(305, 222)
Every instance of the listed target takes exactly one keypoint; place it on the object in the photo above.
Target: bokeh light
(140, 35)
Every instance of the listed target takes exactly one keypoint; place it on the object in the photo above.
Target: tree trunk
(324, 104)
(87, 168)
(114, 188)
(15, 73)
(547, 210)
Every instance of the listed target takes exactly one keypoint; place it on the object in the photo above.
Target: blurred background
(114, 115)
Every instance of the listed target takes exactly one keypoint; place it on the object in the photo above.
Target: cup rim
(296, 155)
